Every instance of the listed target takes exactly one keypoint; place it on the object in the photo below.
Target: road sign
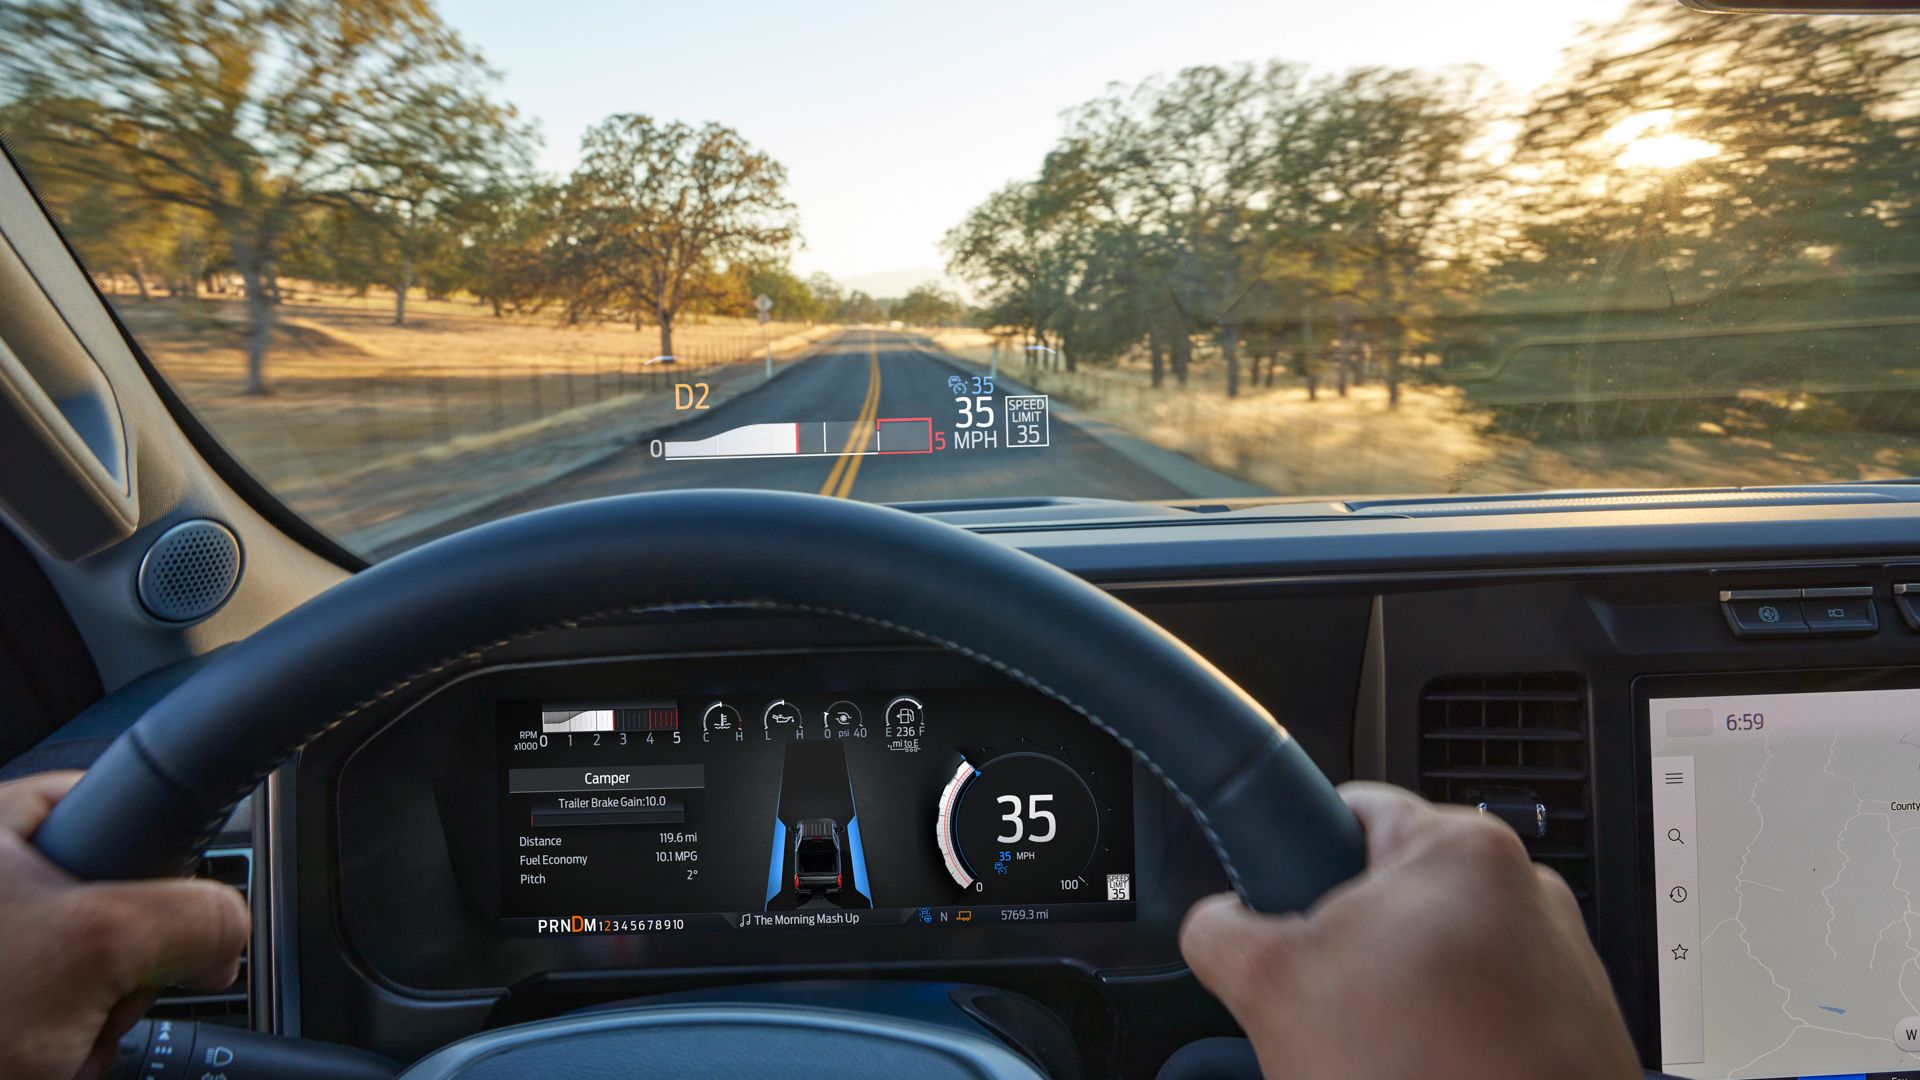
(764, 304)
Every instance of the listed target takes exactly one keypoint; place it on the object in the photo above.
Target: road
(862, 378)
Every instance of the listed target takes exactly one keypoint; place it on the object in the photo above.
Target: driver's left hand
(82, 962)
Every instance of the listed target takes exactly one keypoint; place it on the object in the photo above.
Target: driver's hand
(1451, 956)
(79, 963)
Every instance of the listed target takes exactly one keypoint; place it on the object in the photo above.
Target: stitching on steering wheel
(476, 653)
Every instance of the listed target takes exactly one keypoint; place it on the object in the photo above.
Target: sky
(894, 120)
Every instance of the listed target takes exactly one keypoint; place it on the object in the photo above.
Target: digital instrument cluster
(908, 808)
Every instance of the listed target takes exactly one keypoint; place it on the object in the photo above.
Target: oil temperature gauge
(1021, 826)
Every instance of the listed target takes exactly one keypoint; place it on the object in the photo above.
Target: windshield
(419, 267)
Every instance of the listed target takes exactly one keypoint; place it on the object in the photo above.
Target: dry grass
(1435, 440)
(375, 431)
(349, 389)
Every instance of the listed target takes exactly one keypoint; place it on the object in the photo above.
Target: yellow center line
(868, 428)
(853, 435)
(840, 481)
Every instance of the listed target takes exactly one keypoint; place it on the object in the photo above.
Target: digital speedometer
(1021, 825)
(775, 805)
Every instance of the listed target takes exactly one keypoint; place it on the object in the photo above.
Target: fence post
(369, 435)
(443, 420)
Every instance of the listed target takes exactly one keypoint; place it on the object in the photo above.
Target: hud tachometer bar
(827, 438)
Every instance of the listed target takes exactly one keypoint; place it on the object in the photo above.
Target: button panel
(1847, 609)
(1905, 596)
(1763, 612)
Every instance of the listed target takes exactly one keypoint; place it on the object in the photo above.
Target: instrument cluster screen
(906, 807)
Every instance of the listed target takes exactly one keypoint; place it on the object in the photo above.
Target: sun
(1648, 141)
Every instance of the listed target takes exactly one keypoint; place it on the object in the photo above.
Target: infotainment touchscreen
(812, 810)
(1785, 835)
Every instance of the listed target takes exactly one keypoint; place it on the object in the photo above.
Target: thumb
(25, 803)
(1231, 948)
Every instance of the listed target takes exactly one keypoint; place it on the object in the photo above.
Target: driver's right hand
(79, 963)
(1450, 956)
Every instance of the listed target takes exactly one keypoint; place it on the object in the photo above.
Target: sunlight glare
(1649, 141)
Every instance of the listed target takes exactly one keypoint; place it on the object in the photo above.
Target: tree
(499, 251)
(1009, 250)
(927, 304)
(252, 112)
(792, 300)
(1387, 156)
(419, 178)
(116, 233)
(339, 245)
(828, 296)
(1212, 129)
(1797, 151)
(657, 212)
(861, 308)
(1234, 202)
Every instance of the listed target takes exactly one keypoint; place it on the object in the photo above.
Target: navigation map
(1787, 856)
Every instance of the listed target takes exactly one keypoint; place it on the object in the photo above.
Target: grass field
(373, 430)
(363, 417)
(1443, 438)
(348, 387)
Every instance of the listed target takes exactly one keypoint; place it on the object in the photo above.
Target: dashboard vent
(229, 1005)
(1516, 746)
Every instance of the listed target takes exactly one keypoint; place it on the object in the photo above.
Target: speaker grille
(189, 571)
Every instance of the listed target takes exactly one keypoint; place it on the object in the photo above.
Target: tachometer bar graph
(825, 438)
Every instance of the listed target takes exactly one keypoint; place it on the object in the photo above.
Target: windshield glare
(418, 267)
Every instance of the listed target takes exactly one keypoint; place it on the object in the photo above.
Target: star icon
(1679, 952)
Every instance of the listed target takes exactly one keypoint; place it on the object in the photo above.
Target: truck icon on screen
(816, 857)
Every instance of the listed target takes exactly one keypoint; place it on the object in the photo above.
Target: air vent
(228, 1005)
(189, 571)
(1516, 746)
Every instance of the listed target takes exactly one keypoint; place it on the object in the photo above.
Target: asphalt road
(854, 385)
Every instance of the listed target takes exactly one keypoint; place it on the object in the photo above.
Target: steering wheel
(156, 797)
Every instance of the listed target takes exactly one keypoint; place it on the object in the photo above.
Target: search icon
(1674, 835)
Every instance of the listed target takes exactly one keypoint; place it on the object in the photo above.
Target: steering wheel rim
(158, 794)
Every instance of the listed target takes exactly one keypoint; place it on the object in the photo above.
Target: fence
(401, 408)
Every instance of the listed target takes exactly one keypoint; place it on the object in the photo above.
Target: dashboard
(699, 800)
(817, 810)
(705, 808)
